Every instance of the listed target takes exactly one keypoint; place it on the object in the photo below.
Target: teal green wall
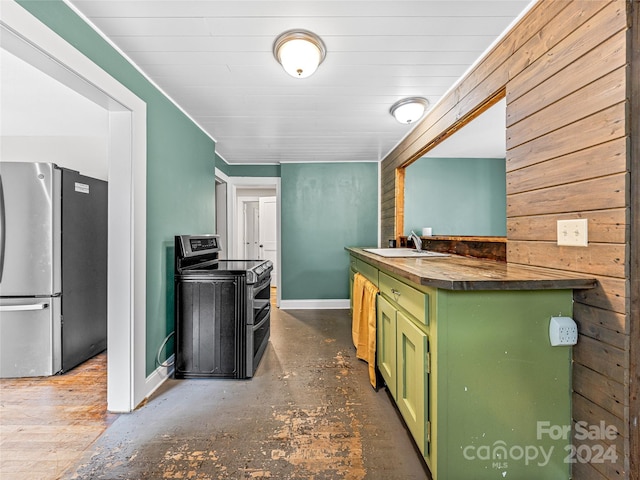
(247, 170)
(180, 168)
(456, 196)
(325, 207)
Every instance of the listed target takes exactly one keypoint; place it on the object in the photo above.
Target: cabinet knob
(396, 294)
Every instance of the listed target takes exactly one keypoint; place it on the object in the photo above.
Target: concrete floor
(308, 413)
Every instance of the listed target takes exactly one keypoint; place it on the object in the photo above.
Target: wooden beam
(634, 240)
(399, 194)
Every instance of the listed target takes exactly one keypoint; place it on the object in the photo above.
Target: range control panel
(191, 245)
(199, 244)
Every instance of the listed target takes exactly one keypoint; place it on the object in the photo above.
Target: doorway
(261, 196)
(268, 230)
(257, 226)
(30, 40)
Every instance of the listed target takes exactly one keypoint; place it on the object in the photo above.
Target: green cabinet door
(386, 344)
(412, 368)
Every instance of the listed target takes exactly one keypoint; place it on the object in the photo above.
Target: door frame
(235, 183)
(222, 187)
(26, 37)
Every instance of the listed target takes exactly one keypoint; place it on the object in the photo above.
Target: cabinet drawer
(368, 271)
(413, 301)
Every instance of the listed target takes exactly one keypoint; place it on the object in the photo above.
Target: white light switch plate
(573, 232)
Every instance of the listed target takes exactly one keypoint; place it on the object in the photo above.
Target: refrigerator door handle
(2, 229)
(19, 308)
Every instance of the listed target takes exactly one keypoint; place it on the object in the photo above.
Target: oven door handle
(264, 320)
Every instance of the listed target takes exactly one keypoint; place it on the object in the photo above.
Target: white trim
(283, 162)
(250, 164)
(126, 369)
(311, 162)
(159, 376)
(221, 175)
(337, 304)
(222, 212)
(379, 204)
(245, 164)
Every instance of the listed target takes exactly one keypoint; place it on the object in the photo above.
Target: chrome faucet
(416, 241)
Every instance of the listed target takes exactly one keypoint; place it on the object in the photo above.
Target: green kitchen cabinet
(403, 350)
(386, 344)
(475, 378)
(413, 379)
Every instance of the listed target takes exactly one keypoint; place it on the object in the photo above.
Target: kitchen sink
(403, 252)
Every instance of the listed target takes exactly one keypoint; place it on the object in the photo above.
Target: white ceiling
(214, 59)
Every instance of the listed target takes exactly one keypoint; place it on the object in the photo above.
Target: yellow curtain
(363, 325)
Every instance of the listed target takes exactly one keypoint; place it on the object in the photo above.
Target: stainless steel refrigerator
(53, 269)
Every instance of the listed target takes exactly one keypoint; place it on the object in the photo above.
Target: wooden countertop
(464, 273)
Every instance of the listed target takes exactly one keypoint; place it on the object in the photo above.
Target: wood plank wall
(565, 70)
(634, 243)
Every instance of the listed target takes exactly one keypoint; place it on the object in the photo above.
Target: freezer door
(30, 343)
(84, 267)
(30, 220)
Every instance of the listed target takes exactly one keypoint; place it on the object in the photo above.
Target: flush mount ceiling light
(409, 110)
(299, 52)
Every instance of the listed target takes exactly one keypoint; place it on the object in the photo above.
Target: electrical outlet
(563, 331)
(573, 232)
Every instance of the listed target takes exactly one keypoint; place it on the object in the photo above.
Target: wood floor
(47, 423)
(309, 412)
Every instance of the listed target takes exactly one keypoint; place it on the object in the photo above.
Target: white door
(268, 233)
(251, 228)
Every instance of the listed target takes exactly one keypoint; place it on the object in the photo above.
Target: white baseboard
(158, 377)
(337, 304)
